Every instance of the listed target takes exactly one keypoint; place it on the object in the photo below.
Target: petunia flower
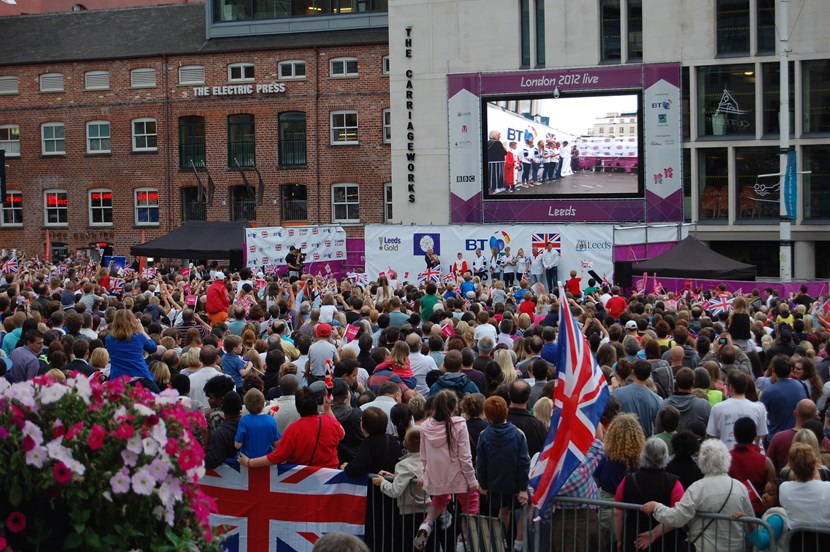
(62, 473)
(96, 437)
(143, 482)
(120, 482)
(16, 522)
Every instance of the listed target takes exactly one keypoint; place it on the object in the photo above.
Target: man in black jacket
(519, 416)
(221, 441)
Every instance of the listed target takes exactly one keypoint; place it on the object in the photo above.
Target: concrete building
(714, 123)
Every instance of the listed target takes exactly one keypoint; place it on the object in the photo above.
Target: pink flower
(3, 544)
(16, 522)
(120, 482)
(58, 429)
(62, 473)
(125, 431)
(74, 430)
(188, 459)
(96, 437)
(151, 420)
(4, 434)
(28, 443)
(171, 447)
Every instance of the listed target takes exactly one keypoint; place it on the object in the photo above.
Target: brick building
(123, 123)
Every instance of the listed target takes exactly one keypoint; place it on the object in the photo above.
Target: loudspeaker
(236, 262)
(622, 273)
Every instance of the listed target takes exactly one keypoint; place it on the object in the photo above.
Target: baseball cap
(323, 330)
(631, 325)
(471, 295)
(339, 387)
(67, 300)
(319, 389)
(247, 287)
(219, 275)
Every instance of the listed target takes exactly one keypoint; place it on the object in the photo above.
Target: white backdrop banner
(266, 247)
(402, 248)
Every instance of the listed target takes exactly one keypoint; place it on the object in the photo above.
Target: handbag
(317, 440)
(711, 521)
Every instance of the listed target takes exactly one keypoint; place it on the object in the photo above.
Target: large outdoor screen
(573, 146)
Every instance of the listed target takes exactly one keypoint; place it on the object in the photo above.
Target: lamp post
(785, 253)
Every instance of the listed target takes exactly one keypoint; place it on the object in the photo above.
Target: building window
(687, 185)
(144, 77)
(343, 67)
(757, 197)
(732, 27)
(387, 202)
(97, 80)
(713, 184)
(816, 96)
(55, 203)
(294, 202)
(191, 74)
(241, 143)
(524, 22)
(771, 73)
(635, 30)
(385, 65)
(241, 72)
(191, 142)
(52, 139)
(100, 207)
(292, 144)
(766, 27)
(193, 208)
(12, 209)
(243, 203)
(610, 31)
(343, 127)
(387, 126)
(10, 140)
(817, 182)
(98, 137)
(540, 33)
(292, 70)
(51, 82)
(9, 84)
(345, 203)
(145, 137)
(147, 207)
(726, 100)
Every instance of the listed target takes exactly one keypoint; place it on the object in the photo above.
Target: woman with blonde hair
(190, 361)
(542, 409)
(801, 497)
(126, 343)
(192, 340)
(161, 372)
(807, 437)
(504, 358)
(99, 359)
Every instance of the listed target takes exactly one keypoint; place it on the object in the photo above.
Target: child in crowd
(257, 434)
(574, 286)
(774, 515)
(232, 363)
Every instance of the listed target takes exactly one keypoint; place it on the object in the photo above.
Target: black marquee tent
(197, 240)
(692, 259)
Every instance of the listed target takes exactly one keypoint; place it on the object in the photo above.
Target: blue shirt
(25, 365)
(781, 398)
(231, 365)
(127, 356)
(257, 433)
(642, 401)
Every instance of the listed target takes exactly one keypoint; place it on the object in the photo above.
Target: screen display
(575, 146)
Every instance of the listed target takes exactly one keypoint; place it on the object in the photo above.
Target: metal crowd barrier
(813, 539)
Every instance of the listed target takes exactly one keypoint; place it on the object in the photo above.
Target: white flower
(170, 515)
(196, 473)
(135, 445)
(120, 414)
(129, 458)
(168, 396)
(170, 491)
(143, 410)
(159, 470)
(4, 385)
(36, 457)
(83, 388)
(57, 451)
(75, 466)
(150, 446)
(143, 482)
(159, 433)
(53, 393)
(22, 392)
(33, 431)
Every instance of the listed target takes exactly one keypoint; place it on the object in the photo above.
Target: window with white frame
(292, 69)
(100, 207)
(343, 67)
(387, 126)
(12, 209)
(240, 72)
(385, 65)
(387, 202)
(10, 140)
(52, 139)
(98, 137)
(192, 74)
(343, 127)
(9, 84)
(147, 206)
(143, 77)
(145, 137)
(345, 203)
(55, 208)
(97, 80)
(51, 82)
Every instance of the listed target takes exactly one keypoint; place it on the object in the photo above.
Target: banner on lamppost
(790, 186)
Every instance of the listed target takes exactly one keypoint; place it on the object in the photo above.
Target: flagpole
(785, 254)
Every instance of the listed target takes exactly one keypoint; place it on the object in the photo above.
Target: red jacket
(217, 297)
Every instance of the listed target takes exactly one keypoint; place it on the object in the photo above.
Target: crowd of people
(443, 394)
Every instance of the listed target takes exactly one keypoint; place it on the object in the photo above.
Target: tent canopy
(196, 239)
(691, 259)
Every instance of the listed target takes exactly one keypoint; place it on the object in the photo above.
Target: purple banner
(564, 210)
(589, 79)
(815, 289)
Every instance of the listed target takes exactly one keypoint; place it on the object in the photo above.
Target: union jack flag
(605, 281)
(285, 508)
(359, 278)
(118, 286)
(10, 266)
(579, 401)
(541, 241)
(719, 304)
(449, 278)
(587, 264)
(430, 275)
(149, 272)
(270, 270)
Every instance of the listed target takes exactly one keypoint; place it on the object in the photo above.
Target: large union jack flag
(579, 400)
(541, 241)
(718, 305)
(286, 508)
(10, 266)
(430, 275)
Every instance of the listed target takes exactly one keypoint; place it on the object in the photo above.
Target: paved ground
(581, 183)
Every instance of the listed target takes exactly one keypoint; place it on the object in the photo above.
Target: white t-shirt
(807, 504)
(724, 415)
(327, 313)
(486, 330)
